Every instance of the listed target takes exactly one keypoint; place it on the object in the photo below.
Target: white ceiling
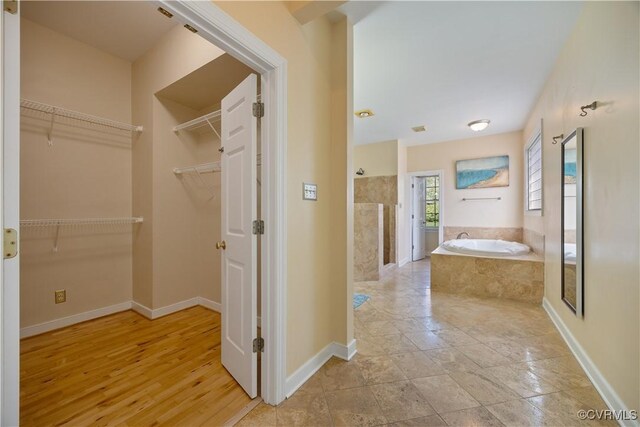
(126, 29)
(444, 64)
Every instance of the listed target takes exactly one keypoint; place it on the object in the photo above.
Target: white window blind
(534, 174)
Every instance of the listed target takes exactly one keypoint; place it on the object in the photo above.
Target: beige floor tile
(444, 394)
(587, 395)
(452, 360)
(417, 365)
(397, 344)
(381, 327)
(355, 407)
(426, 340)
(520, 413)
(562, 372)
(428, 421)
(484, 356)
(456, 337)
(483, 388)
(262, 415)
(313, 384)
(370, 346)
(401, 401)
(338, 374)
(565, 407)
(379, 369)
(521, 380)
(473, 417)
(308, 409)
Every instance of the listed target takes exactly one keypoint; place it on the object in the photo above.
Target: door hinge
(412, 186)
(10, 6)
(413, 247)
(411, 216)
(10, 243)
(258, 226)
(258, 345)
(221, 150)
(258, 109)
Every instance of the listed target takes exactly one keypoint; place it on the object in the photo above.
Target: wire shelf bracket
(77, 222)
(55, 111)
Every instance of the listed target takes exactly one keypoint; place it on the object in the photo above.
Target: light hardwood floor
(124, 369)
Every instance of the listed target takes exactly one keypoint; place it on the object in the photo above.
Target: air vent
(419, 128)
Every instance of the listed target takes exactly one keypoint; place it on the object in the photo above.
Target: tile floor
(434, 359)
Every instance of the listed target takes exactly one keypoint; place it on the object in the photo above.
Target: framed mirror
(571, 216)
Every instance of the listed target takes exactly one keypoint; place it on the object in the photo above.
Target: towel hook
(591, 106)
(556, 138)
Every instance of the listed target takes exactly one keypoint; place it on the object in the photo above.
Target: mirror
(571, 237)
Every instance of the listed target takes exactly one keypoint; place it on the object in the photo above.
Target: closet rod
(79, 221)
(76, 115)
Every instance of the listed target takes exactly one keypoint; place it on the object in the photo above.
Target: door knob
(221, 245)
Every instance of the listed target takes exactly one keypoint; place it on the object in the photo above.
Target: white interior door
(10, 212)
(418, 239)
(239, 256)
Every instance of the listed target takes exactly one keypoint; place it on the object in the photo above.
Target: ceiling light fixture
(363, 114)
(419, 128)
(478, 125)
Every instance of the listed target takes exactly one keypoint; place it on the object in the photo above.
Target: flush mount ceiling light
(419, 128)
(361, 114)
(478, 125)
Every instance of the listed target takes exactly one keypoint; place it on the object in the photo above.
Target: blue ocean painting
(483, 173)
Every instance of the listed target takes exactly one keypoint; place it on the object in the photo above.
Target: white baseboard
(607, 392)
(306, 371)
(142, 309)
(40, 328)
(211, 305)
(403, 262)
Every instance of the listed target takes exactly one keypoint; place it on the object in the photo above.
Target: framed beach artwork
(482, 173)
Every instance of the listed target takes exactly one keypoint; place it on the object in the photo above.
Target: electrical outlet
(61, 296)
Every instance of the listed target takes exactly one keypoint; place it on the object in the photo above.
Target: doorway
(219, 29)
(426, 213)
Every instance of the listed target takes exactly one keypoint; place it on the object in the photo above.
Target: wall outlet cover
(61, 296)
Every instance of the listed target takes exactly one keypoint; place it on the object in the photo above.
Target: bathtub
(486, 247)
(488, 268)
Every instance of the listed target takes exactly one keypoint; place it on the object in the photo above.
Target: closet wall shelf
(203, 168)
(206, 120)
(76, 115)
(79, 221)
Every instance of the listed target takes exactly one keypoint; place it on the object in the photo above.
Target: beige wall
(379, 159)
(314, 293)
(84, 174)
(486, 213)
(164, 273)
(599, 65)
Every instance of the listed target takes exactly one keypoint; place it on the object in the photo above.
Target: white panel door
(239, 257)
(419, 237)
(10, 212)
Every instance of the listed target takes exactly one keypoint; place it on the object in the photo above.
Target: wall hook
(591, 106)
(556, 138)
(360, 172)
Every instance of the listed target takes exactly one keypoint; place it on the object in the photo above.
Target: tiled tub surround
(534, 240)
(515, 278)
(430, 358)
(368, 241)
(390, 213)
(511, 234)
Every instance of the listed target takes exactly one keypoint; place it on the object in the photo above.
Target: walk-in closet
(134, 213)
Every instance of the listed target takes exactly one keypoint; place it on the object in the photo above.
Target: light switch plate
(309, 191)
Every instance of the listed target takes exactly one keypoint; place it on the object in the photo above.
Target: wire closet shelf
(76, 115)
(205, 120)
(79, 221)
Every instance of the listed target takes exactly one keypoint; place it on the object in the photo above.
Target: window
(432, 201)
(533, 158)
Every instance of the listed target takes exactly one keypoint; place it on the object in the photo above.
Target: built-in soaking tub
(488, 268)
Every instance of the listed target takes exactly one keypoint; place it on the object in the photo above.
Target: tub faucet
(463, 234)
